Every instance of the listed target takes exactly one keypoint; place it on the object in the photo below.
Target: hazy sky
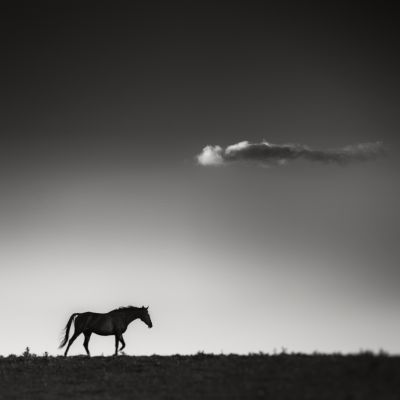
(103, 204)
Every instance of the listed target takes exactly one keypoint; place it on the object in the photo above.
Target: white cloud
(237, 147)
(265, 153)
(211, 155)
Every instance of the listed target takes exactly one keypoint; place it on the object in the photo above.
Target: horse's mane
(127, 308)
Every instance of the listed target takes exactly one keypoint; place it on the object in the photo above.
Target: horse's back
(84, 320)
(102, 324)
(87, 315)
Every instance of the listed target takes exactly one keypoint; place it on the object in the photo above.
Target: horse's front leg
(121, 339)
(116, 344)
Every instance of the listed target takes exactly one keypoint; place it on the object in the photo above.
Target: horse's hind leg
(74, 336)
(86, 342)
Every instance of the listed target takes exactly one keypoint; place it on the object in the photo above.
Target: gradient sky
(102, 204)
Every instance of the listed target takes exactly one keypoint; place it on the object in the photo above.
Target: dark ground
(282, 376)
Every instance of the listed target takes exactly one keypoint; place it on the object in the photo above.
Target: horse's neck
(131, 316)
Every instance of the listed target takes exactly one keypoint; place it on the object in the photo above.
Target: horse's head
(145, 316)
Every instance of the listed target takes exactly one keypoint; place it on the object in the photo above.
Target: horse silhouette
(114, 323)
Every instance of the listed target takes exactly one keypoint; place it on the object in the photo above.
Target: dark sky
(107, 82)
(104, 106)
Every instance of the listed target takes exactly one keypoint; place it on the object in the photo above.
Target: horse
(114, 323)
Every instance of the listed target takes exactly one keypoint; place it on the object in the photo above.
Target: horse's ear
(147, 307)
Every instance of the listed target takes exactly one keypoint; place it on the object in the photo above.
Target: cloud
(211, 155)
(266, 153)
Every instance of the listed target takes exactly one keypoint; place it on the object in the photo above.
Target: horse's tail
(66, 330)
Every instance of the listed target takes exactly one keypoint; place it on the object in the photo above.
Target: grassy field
(282, 376)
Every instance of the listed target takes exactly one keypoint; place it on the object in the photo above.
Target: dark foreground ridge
(202, 376)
